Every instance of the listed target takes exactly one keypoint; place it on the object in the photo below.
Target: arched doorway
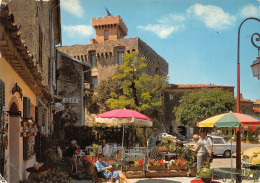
(14, 150)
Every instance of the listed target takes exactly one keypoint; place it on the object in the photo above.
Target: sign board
(70, 100)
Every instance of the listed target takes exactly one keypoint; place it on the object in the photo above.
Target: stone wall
(107, 56)
(34, 16)
(70, 85)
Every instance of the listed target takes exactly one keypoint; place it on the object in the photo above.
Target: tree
(197, 106)
(132, 88)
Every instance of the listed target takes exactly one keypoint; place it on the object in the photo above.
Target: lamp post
(238, 150)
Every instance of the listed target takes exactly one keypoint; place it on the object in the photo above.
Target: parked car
(251, 156)
(220, 146)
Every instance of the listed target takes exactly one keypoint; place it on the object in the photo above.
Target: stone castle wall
(107, 56)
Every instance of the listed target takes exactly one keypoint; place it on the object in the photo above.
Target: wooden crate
(135, 174)
(160, 167)
(166, 173)
(134, 168)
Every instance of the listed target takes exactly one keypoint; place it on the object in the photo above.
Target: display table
(226, 172)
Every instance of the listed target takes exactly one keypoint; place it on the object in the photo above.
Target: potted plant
(89, 163)
(154, 164)
(177, 164)
(191, 158)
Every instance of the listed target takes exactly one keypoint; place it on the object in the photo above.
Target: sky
(198, 38)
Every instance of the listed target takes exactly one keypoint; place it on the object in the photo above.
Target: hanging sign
(70, 100)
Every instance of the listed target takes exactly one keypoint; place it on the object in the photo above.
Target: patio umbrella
(230, 120)
(121, 117)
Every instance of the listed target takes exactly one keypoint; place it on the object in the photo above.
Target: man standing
(208, 145)
(201, 153)
(152, 140)
(104, 149)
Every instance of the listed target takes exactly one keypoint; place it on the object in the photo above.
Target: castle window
(93, 60)
(94, 83)
(120, 58)
(106, 35)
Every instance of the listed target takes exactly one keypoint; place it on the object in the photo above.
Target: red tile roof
(198, 85)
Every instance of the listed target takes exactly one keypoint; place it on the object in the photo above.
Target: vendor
(156, 153)
(104, 149)
(103, 170)
(152, 140)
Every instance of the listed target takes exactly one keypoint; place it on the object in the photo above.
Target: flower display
(88, 160)
(95, 148)
(190, 156)
(181, 163)
(154, 162)
(139, 163)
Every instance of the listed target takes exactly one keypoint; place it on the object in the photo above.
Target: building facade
(104, 53)
(256, 107)
(29, 32)
(172, 96)
(70, 87)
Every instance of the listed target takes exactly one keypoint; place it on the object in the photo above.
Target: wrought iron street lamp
(255, 67)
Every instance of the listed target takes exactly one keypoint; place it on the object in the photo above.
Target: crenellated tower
(108, 28)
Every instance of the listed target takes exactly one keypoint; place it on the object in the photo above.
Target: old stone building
(246, 106)
(172, 96)
(256, 107)
(104, 53)
(70, 87)
(29, 32)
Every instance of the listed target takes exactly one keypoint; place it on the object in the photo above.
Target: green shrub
(250, 134)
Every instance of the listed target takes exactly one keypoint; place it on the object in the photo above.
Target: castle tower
(108, 28)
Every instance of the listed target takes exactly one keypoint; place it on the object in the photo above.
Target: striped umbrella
(230, 120)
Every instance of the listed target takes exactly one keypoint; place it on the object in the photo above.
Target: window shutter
(26, 107)
(26, 114)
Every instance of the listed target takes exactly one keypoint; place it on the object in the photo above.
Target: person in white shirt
(104, 149)
(201, 152)
(208, 145)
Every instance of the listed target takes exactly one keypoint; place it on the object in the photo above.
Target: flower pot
(158, 167)
(90, 170)
(134, 168)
